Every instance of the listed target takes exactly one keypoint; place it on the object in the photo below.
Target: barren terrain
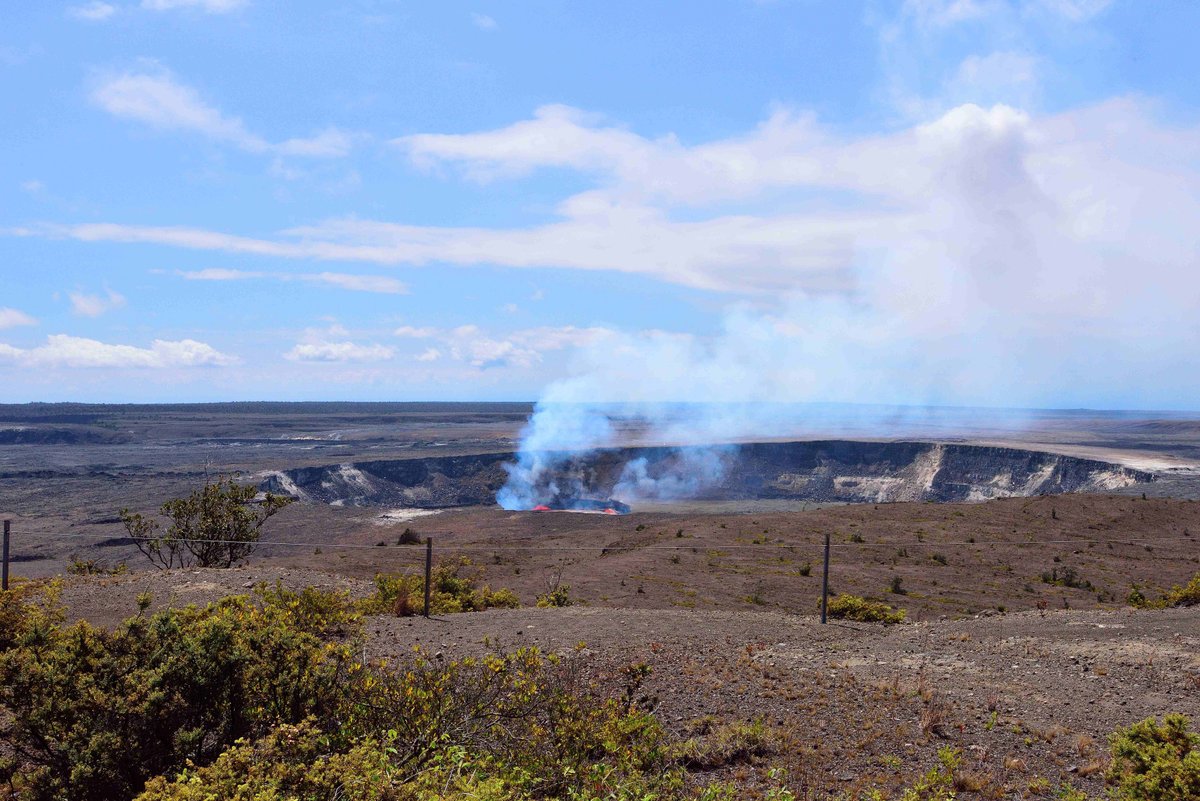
(1019, 647)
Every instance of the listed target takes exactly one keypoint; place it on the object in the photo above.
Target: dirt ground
(722, 608)
(950, 560)
(1028, 697)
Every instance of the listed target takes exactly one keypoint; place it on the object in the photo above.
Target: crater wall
(835, 470)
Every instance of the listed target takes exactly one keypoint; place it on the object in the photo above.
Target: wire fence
(610, 546)
(758, 553)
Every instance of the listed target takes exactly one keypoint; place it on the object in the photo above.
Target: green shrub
(216, 526)
(93, 714)
(1066, 577)
(936, 785)
(729, 744)
(559, 595)
(29, 612)
(94, 567)
(311, 610)
(409, 537)
(1156, 762)
(1187, 595)
(863, 610)
(454, 587)
(291, 762)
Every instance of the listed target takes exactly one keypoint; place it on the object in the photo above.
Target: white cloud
(522, 348)
(221, 274)
(207, 6)
(947, 204)
(96, 305)
(156, 99)
(330, 143)
(926, 71)
(11, 318)
(61, 350)
(331, 344)
(557, 136)
(357, 283)
(338, 352)
(415, 332)
(95, 11)
(429, 355)
(945, 13)
(483, 21)
(33, 186)
(160, 102)
(1072, 10)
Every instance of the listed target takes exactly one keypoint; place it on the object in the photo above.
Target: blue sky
(932, 201)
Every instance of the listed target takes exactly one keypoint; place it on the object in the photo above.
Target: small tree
(216, 526)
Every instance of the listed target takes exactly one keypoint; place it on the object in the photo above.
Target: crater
(846, 471)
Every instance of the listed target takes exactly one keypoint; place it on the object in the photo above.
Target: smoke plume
(1011, 263)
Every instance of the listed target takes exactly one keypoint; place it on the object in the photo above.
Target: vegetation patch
(864, 610)
(1186, 595)
(454, 587)
(717, 746)
(216, 526)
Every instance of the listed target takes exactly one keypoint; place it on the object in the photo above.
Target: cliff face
(849, 471)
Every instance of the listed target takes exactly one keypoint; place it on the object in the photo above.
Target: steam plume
(1019, 271)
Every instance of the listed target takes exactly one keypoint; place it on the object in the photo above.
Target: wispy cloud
(873, 216)
(926, 71)
(160, 102)
(357, 283)
(1073, 10)
(95, 11)
(95, 305)
(207, 6)
(61, 350)
(482, 350)
(11, 318)
(483, 21)
(416, 332)
(155, 98)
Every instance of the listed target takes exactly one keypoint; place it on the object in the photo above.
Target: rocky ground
(1029, 698)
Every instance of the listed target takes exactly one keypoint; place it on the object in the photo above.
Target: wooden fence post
(825, 582)
(428, 570)
(4, 576)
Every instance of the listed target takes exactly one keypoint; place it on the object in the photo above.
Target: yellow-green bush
(854, 607)
(454, 587)
(291, 762)
(93, 714)
(720, 745)
(557, 596)
(260, 698)
(311, 610)
(1155, 761)
(1187, 595)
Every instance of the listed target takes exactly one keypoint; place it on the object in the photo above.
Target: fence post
(428, 570)
(4, 576)
(825, 582)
